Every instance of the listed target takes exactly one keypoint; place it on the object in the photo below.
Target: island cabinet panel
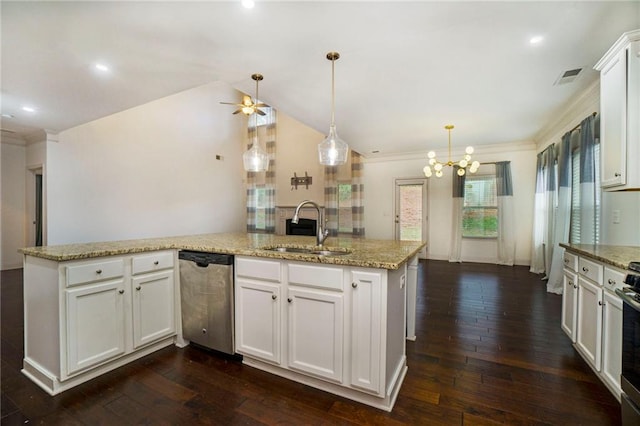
(315, 332)
(343, 328)
(95, 324)
(257, 321)
(97, 315)
(366, 331)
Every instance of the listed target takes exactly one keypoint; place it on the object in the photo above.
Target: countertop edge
(604, 253)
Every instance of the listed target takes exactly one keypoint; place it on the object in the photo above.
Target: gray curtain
(562, 221)
(506, 230)
(357, 195)
(455, 254)
(270, 174)
(331, 199)
(589, 183)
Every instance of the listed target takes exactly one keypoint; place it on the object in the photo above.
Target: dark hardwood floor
(489, 350)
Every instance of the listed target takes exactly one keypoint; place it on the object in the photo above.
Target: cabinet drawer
(152, 262)
(613, 278)
(257, 268)
(316, 276)
(95, 271)
(570, 261)
(591, 270)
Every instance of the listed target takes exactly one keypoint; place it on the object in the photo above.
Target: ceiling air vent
(568, 76)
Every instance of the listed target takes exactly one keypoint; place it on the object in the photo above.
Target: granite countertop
(383, 254)
(618, 256)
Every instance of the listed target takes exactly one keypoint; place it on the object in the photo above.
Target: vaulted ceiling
(406, 68)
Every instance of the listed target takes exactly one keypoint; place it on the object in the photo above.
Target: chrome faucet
(321, 233)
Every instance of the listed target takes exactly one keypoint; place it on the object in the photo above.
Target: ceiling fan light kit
(464, 165)
(332, 151)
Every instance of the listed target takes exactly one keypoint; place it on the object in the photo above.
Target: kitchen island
(334, 319)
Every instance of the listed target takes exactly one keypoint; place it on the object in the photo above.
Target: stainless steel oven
(630, 380)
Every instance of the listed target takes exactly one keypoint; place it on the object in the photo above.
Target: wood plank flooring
(489, 350)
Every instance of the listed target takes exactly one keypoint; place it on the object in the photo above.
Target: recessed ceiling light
(536, 39)
(28, 109)
(101, 67)
(248, 4)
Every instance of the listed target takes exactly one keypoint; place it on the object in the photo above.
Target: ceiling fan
(248, 105)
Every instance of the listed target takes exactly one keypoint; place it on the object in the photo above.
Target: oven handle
(628, 299)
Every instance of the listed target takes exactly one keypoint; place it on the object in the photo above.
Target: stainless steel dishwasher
(206, 286)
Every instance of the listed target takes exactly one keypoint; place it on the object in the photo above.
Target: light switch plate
(616, 216)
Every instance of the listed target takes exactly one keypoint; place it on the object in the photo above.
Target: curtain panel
(331, 200)
(270, 174)
(562, 221)
(455, 254)
(589, 183)
(252, 179)
(544, 209)
(357, 195)
(506, 230)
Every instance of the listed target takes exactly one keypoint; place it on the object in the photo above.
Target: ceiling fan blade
(260, 105)
(237, 111)
(260, 112)
(230, 103)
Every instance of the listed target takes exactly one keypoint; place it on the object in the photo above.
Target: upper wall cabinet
(620, 114)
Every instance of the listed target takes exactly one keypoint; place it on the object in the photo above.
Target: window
(480, 211)
(345, 224)
(261, 208)
(574, 228)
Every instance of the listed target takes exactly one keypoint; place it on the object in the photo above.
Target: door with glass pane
(411, 211)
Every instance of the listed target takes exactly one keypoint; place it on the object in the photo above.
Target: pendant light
(463, 165)
(333, 151)
(255, 159)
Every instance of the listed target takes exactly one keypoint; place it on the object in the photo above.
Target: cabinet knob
(617, 174)
(566, 261)
(585, 269)
(99, 271)
(611, 282)
(156, 263)
(274, 297)
(121, 291)
(570, 283)
(204, 331)
(354, 285)
(600, 302)
(575, 286)
(138, 288)
(289, 300)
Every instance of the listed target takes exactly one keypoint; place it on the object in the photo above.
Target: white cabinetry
(324, 325)
(620, 113)
(86, 317)
(570, 296)
(597, 330)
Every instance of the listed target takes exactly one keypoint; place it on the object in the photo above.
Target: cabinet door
(258, 320)
(613, 122)
(589, 326)
(612, 341)
(315, 334)
(366, 331)
(95, 324)
(153, 307)
(569, 304)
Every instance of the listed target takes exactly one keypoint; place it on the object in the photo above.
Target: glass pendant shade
(255, 159)
(333, 151)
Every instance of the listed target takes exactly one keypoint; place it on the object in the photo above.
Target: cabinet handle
(274, 297)
(156, 263)
(121, 291)
(354, 285)
(99, 271)
(585, 269)
(600, 302)
(289, 300)
(138, 288)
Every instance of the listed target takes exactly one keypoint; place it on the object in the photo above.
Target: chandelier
(333, 151)
(463, 165)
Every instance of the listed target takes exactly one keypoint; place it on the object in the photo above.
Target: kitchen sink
(317, 251)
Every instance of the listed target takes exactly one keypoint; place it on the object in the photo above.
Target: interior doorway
(411, 211)
(35, 206)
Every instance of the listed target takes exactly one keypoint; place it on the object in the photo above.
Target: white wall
(149, 171)
(379, 181)
(13, 205)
